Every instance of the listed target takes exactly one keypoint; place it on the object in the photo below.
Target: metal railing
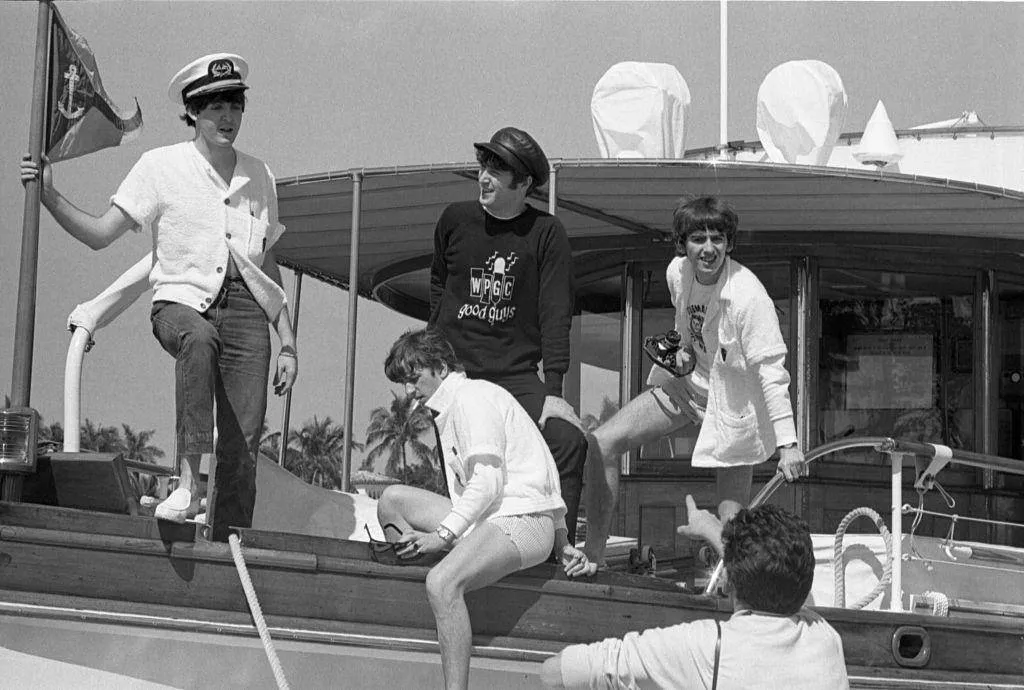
(938, 457)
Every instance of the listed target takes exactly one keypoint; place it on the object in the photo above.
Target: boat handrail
(939, 456)
(889, 445)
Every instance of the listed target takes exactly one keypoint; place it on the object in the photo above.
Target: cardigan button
(229, 235)
(220, 269)
(227, 201)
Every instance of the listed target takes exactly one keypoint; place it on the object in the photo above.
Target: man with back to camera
(771, 642)
(212, 210)
(734, 387)
(501, 291)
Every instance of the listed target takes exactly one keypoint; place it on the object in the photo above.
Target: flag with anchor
(81, 118)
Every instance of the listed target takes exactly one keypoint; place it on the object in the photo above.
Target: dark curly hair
(493, 161)
(703, 213)
(769, 558)
(417, 350)
(197, 103)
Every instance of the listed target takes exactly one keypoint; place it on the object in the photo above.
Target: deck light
(19, 429)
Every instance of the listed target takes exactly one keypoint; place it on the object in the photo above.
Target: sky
(340, 85)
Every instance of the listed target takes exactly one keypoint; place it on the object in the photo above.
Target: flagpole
(24, 325)
(723, 77)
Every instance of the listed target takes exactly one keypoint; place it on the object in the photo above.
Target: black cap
(520, 151)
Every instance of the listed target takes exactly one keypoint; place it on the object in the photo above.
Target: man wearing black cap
(501, 291)
(213, 213)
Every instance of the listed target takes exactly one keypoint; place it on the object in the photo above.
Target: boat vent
(911, 646)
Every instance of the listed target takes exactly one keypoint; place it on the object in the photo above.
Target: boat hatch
(911, 646)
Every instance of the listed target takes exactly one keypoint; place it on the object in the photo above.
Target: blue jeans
(222, 361)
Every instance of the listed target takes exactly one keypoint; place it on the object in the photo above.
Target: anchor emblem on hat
(66, 104)
(221, 68)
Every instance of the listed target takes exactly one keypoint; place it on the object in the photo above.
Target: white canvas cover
(639, 111)
(801, 106)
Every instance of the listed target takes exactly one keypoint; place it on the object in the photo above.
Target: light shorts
(678, 397)
(533, 535)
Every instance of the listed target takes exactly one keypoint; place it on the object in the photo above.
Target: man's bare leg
(482, 558)
(645, 418)
(407, 507)
(733, 486)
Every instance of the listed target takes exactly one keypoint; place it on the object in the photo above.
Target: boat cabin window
(597, 342)
(1010, 368)
(896, 357)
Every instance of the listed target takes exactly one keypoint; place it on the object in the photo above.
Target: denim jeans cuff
(195, 444)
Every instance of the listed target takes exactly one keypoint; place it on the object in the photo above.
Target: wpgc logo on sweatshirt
(492, 286)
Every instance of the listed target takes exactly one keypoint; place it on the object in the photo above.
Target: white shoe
(175, 508)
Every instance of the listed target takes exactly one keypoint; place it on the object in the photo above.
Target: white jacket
(749, 412)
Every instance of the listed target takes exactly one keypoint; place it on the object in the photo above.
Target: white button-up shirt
(477, 418)
(198, 220)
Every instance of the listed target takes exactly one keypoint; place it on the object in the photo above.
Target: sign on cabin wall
(891, 371)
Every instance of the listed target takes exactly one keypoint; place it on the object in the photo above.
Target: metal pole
(896, 508)
(723, 50)
(353, 307)
(552, 189)
(24, 324)
(287, 414)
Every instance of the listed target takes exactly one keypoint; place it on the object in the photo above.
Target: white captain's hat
(208, 74)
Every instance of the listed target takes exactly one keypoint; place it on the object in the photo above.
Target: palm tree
(391, 430)
(101, 439)
(270, 446)
(321, 444)
(608, 410)
(52, 432)
(137, 447)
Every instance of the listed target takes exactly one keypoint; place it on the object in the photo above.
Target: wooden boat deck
(319, 590)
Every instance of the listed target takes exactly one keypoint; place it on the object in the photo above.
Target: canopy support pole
(25, 320)
(286, 416)
(353, 307)
(723, 51)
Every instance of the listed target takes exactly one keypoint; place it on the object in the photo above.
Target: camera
(662, 349)
(666, 345)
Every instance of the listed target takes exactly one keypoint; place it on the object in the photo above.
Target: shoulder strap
(718, 654)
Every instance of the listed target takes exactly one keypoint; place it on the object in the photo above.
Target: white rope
(839, 566)
(257, 612)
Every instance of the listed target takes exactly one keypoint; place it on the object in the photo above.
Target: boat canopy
(619, 210)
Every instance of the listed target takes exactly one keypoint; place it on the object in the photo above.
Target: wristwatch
(447, 536)
(789, 445)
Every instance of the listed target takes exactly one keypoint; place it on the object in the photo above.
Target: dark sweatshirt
(501, 291)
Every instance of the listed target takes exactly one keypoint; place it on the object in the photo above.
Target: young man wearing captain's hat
(216, 284)
(501, 292)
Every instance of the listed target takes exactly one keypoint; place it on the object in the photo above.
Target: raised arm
(96, 232)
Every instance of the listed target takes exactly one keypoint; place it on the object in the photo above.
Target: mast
(723, 77)
(24, 325)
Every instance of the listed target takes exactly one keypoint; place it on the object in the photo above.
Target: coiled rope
(839, 565)
(257, 612)
(939, 602)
